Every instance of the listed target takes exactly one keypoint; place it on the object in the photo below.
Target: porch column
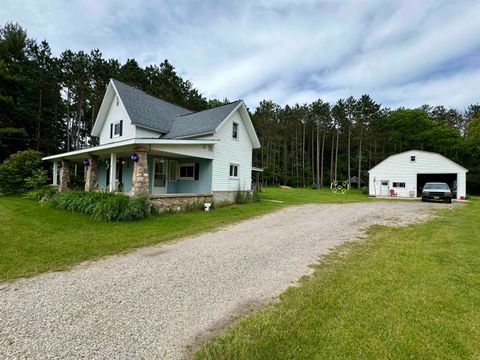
(140, 173)
(113, 172)
(55, 174)
(91, 174)
(64, 176)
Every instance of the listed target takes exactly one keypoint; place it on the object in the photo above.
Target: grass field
(36, 239)
(404, 293)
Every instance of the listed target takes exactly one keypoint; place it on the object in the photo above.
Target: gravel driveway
(157, 302)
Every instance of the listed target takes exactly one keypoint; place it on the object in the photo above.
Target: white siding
(232, 151)
(115, 114)
(400, 168)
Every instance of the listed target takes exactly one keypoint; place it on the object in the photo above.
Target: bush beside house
(102, 206)
(21, 172)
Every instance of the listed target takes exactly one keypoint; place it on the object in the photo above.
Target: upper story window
(412, 158)
(116, 129)
(117, 101)
(235, 131)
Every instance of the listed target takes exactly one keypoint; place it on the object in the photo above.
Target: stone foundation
(180, 202)
(226, 196)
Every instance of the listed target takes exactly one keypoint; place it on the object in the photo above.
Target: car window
(436, 187)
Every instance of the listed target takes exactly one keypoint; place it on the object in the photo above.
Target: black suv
(436, 191)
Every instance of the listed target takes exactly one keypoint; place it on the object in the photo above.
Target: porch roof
(125, 145)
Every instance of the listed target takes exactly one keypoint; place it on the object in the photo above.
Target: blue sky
(402, 53)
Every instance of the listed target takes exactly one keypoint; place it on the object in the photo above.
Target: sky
(402, 53)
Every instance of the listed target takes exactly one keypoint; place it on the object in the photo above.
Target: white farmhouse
(148, 145)
(405, 174)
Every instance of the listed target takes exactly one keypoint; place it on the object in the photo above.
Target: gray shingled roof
(202, 122)
(148, 111)
(171, 120)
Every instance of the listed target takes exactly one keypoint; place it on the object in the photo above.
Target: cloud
(402, 53)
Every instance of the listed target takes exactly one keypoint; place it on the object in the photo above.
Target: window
(398, 184)
(233, 170)
(235, 131)
(412, 158)
(118, 101)
(116, 129)
(187, 172)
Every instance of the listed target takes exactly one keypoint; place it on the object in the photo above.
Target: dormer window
(412, 158)
(235, 131)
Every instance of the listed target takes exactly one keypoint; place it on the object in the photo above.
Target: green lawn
(404, 293)
(35, 239)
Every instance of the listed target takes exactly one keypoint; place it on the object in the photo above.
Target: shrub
(19, 167)
(41, 194)
(257, 196)
(242, 197)
(103, 206)
(37, 180)
(365, 190)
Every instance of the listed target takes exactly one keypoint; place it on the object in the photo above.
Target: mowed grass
(303, 196)
(403, 293)
(35, 239)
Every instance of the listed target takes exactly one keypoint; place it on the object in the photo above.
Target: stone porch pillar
(140, 173)
(64, 176)
(91, 174)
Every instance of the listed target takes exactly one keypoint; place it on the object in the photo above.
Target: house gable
(242, 112)
(112, 111)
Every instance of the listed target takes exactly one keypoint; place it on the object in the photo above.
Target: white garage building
(405, 174)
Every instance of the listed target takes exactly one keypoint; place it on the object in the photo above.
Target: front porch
(157, 167)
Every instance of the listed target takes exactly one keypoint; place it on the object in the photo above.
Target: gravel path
(156, 302)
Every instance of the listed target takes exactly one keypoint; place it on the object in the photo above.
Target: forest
(49, 103)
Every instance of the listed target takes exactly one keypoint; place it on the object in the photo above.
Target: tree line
(318, 143)
(49, 103)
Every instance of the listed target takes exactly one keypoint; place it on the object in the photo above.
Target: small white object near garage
(405, 174)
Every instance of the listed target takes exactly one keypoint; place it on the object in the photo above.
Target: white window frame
(236, 132)
(115, 124)
(236, 177)
(186, 177)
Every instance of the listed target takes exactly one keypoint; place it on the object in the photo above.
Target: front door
(159, 176)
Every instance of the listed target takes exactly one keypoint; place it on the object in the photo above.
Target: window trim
(235, 130)
(179, 166)
(235, 177)
(398, 184)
